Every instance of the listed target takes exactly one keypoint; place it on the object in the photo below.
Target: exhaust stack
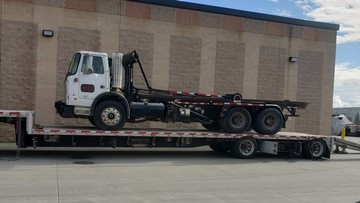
(117, 71)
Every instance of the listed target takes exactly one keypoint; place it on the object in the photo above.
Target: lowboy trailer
(241, 145)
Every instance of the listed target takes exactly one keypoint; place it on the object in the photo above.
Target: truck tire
(244, 148)
(109, 115)
(316, 149)
(212, 126)
(268, 121)
(237, 120)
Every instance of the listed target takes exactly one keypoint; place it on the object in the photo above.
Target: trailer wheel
(268, 121)
(109, 115)
(212, 126)
(244, 148)
(237, 120)
(316, 149)
(219, 147)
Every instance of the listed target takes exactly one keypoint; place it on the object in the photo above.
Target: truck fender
(111, 96)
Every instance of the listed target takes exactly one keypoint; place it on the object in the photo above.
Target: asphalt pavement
(173, 175)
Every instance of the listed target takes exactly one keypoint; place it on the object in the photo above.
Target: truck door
(93, 78)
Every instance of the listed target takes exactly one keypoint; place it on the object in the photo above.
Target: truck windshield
(74, 64)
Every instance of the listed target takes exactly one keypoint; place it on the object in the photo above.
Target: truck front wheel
(109, 115)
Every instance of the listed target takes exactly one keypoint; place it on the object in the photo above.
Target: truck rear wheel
(244, 148)
(268, 121)
(237, 120)
(109, 115)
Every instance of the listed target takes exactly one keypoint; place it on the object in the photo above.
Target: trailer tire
(316, 149)
(237, 120)
(268, 121)
(109, 115)
(212, 126)
(244, 148)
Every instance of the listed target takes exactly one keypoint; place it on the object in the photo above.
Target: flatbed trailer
(241, 145)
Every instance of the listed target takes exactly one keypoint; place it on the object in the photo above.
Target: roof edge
(241, 13)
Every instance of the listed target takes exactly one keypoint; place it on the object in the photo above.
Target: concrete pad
(174, 175)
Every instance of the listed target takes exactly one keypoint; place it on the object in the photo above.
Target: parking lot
(173, 175)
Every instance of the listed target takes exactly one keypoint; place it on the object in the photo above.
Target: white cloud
(346, 86)
(276, 1)
(285, 13)
(344, 12)
(304, 5)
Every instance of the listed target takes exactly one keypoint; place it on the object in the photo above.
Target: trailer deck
(30, 134)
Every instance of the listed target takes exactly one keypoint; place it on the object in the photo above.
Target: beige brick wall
(180, 49)
(185, 57)
(17, 70)
(309, 89)
(230, 58)
(271, 73)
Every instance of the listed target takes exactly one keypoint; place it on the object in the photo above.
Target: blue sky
(343, 12)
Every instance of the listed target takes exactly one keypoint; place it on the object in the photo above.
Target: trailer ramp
(344, 144)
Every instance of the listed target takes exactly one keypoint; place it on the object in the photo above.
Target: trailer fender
(111, 96)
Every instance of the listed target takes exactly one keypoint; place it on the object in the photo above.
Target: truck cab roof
(93, 53)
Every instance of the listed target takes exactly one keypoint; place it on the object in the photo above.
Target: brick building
(183, 46)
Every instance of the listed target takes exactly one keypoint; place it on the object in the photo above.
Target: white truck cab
(88, 76)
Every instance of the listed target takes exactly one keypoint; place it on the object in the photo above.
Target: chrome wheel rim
(247, 147)
(111, 116)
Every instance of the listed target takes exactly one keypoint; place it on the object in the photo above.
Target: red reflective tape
(261, 135)
(39, 130)
(172, 92)
(85, 131)
(201, 94)
(54, 131)
(128, 132)
(70, 131)
(142, 133)
(100, 131)
(1, 113)
(14, 113)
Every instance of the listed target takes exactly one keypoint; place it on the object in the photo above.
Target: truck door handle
(102, 86)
